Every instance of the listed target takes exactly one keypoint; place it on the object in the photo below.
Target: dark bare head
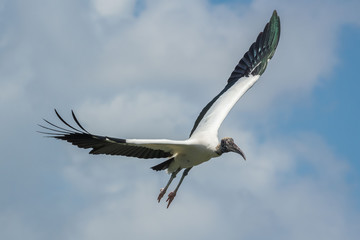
(227, 145)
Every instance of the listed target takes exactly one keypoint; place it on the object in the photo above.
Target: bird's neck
(219, 151)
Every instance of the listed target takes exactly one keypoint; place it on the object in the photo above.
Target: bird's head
(227, 145)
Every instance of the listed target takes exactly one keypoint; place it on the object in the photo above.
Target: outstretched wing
(140, 148)
(244, 76)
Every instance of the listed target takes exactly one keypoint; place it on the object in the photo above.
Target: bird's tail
(162, 166)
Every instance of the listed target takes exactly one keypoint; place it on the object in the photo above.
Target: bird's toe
(162, 193)
(171, 197)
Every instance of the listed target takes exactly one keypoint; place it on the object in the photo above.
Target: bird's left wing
(244, 76)
(140, 148)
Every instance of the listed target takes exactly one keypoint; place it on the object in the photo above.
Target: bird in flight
(203, 143)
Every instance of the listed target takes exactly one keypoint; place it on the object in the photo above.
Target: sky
(145, 69)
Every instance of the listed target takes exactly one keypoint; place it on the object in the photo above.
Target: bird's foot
(162, 193)
(171, 197)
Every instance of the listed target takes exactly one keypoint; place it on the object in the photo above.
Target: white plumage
(203, 143)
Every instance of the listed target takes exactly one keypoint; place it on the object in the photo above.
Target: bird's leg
(163, 190)
(172, 195)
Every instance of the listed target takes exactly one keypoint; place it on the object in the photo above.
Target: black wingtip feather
(254, 61)
(77, 122)
(58, 115)
(98, 144)
(66, 130)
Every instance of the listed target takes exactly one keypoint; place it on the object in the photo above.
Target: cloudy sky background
(145, 69)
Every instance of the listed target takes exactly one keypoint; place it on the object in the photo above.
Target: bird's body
(192, 154)
(203, 143)
(186, 153)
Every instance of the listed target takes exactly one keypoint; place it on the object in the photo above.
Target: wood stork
(203, 143)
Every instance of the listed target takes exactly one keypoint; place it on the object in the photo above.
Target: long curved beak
(236, 149)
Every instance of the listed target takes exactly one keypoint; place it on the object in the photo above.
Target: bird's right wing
(140, 148)
(244, 76)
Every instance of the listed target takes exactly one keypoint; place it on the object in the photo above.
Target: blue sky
(333, 113)
(145, 69)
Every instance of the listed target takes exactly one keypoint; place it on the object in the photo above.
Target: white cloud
(149, 76)
(181, 49)
(202, 44)
(228, 197)
(114, 8)
(14, 227)
(148, 114)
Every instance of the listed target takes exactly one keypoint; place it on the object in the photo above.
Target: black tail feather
(163, 165)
